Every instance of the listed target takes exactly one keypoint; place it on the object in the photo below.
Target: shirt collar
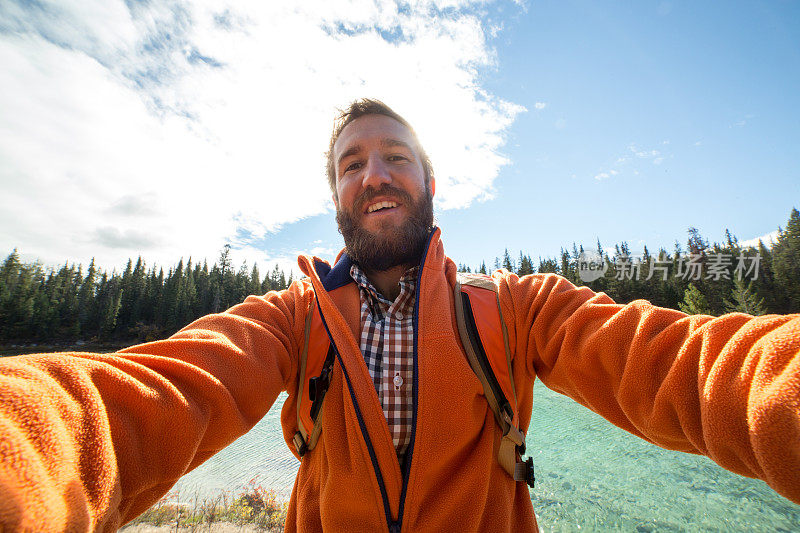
(408, 283)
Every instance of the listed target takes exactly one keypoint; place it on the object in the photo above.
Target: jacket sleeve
(727, 387)
(89, 441)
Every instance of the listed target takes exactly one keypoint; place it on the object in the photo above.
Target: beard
(393, 245)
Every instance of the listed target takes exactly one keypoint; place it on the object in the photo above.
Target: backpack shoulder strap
(316, 364)
(485, 339)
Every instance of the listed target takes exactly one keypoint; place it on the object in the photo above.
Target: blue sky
(714, 91)
(169, 130)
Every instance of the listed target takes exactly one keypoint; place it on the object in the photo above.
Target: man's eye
(398, 157)
(352, 166)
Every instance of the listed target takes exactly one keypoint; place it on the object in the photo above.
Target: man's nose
(376, 173)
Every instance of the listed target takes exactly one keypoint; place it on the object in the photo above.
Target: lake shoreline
(12, 349)
(217, 527)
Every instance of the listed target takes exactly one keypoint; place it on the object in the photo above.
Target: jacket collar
(338, 276)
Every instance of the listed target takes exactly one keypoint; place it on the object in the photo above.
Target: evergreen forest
(142, 303)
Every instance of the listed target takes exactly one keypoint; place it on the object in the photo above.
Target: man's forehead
(380, 128)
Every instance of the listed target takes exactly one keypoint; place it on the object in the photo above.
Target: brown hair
(360, 108)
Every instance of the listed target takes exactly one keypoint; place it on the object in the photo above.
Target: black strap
(483, 359)
(318, 386)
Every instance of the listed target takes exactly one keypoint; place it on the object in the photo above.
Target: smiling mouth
(379, 206)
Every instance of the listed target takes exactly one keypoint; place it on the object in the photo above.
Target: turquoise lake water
(590, 475)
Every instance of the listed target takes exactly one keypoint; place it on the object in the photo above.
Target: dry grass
(253, 506)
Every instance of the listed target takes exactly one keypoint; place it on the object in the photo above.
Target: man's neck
(387, 281)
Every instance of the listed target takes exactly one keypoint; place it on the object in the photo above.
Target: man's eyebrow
(395, 142)
(353, 150)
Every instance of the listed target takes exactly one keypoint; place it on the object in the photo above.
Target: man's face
(383, 205)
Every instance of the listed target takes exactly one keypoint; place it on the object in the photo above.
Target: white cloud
(540, 105)
(742, 122)
(168, 129)
(629, 163)
(643, 154)
(322, 251)
(605, 175)
(768, 239)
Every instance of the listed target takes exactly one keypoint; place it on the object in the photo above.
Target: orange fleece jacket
(88, 441)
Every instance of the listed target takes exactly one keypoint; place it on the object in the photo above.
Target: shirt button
(399, 316)
(398, 381)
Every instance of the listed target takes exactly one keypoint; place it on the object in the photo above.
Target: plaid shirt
(387, 342)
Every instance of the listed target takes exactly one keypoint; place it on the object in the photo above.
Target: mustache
(384, 190)
(403, 244)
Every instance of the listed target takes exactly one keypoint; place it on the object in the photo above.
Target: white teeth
(380, 205)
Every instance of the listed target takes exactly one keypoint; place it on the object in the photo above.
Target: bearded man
(409, 442)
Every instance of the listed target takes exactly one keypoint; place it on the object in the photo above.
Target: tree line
(141, 303)
(698, 278)
(68, 304)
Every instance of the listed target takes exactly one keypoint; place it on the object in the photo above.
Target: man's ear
(432, 182)
(335, 202)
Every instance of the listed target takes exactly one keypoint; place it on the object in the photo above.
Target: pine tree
(108, 318)
(157, 303)
(694, 302)
(9, 272)
(42, 307)
(254, 287)
(744, 300)
(69, 305)
(547, 265)
(125, 315)
(786, 264)
(764, 284)
(225, 259)
(731, 240)
(697, 245)
(9, 275)
(275, 283)
(86, 299)
(107, 304)
(17, 296)
(226, 279)
(482, 269)
(202, 280)
(568, 266)
(525, 265)
(508, 264)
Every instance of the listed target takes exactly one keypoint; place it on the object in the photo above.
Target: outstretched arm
(89, 441)
(726, 387)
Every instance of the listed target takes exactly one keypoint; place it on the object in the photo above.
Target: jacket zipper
(398, 525)
(395, 526)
